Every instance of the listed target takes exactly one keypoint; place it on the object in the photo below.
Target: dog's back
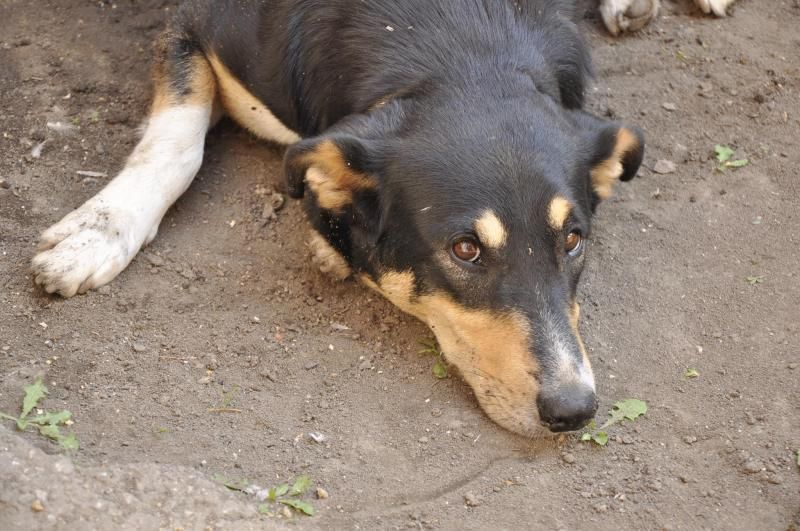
(316, 61)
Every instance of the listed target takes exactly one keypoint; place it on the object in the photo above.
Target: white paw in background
(627, 15)
(326, 258)
(85, 250)
(718, 7)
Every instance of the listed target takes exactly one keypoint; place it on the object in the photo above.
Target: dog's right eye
(467, 249)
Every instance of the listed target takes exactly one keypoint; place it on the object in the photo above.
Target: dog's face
(477, 223)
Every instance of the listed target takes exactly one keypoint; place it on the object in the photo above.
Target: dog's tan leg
(627, 15)
(94, 243)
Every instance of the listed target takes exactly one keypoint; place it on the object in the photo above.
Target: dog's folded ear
(617, 154)
(334, 167)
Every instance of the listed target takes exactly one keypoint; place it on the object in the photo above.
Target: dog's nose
(567, 408)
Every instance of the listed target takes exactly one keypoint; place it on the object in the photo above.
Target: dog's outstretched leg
(94, 243)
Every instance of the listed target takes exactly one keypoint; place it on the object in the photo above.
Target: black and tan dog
(444, 159)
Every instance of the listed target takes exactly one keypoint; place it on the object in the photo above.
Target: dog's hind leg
(94, 243)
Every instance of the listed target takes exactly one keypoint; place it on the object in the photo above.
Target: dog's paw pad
(326, 258)
(718, 7)
(621, 16)
(85, 250)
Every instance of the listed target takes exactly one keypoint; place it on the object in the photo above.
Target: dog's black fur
(426, 114)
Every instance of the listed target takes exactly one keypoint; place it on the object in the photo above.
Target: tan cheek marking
(330, 177)
(605, 174)
(490, 349)
(490, 230)
(558, 212)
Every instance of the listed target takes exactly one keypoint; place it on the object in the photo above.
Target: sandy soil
(225, 309)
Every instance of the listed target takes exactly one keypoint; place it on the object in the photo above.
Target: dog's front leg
(94, 243)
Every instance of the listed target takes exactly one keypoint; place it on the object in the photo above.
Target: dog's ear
(612, 151)
(335, 168)
(617, 153)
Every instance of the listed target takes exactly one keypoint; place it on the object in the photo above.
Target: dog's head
(475, 218)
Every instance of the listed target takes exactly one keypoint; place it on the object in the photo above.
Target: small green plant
(724, 156)
(226, 403)
(238, 485)
(46, 422)
(288, 496)
(755, 279)
(431, 346)
(629, 409)
(282, 494)
(691, 373)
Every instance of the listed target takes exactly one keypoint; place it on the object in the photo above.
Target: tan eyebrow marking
(491, 230)
(558, 212)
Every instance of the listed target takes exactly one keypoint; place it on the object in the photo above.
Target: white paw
(718, 7)
(85, 250)
(326, 258)
(627, 15)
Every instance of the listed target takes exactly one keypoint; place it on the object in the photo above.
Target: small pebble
(154, 259)
(423, 440)
(601, 508)
(471, 500)
(568, 458)
(669, 106)
(310, 365)
(37, 506)
(436, 412)
(321, 493)
(664, 166)
(751, 467)
(138, 347)
(317, 437)
(690, 439)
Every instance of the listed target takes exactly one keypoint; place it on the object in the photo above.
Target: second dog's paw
(326, 258)
(627, 15)
(85, 250)
(718, 7)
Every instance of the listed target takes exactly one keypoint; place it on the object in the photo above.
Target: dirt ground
(224, 310)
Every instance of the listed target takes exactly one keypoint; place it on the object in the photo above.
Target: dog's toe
(627, 15)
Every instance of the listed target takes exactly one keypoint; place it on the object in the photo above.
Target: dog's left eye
(467, 249)
(573, 243)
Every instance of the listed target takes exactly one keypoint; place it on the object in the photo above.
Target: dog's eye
(572, 245)
(467, 249)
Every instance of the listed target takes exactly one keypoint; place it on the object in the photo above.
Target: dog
(442, 154)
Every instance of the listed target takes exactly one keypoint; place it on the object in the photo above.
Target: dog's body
(445, 161)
